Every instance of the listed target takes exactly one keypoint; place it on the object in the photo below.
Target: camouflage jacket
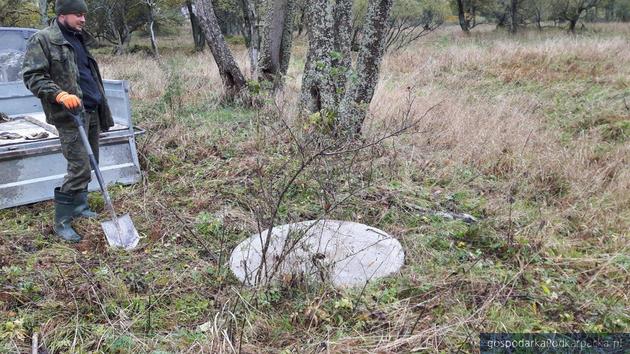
(50, 67)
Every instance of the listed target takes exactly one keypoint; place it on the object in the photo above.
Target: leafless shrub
(334, 169)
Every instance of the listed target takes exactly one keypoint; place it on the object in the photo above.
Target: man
(59, 69)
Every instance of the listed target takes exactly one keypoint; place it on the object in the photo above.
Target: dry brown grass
(483, 129)
(495, 118)
(519, 127)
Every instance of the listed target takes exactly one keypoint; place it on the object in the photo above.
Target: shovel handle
(86, 143)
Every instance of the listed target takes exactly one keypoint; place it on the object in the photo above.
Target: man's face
(73, 21)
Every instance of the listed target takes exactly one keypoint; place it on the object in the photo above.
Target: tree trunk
(327, 86)
(317, 87)
(43, 12)
(342, 59)
(154, 45)
(461, 14)
(231, 75)
(198, 37)
(356, 101)
(572, 23)
(153, 10)
(124, 37)
(277, 38)
(501, 19)
(514, 16)
(538, 19)
(610, 11)
(253, 38)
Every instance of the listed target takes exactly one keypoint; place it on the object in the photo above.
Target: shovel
(119, 231)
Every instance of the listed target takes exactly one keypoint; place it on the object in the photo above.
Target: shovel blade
(121, 232)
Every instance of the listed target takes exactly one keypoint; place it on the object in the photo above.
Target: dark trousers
(79, 171)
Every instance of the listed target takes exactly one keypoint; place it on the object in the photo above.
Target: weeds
(530, 138)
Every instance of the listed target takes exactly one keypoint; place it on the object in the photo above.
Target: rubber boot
(81, 207)
(64, 212)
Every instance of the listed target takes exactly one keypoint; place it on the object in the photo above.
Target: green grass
(529, 264)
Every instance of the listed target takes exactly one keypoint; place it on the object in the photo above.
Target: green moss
(191, 308)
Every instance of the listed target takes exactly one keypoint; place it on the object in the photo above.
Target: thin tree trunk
(43, 12)
(461, 14)
(153, 9)
(356, 101)
(232, 77)
(514, 16)
(250, 19)
(117, 34)
(154, 45)
(572, 23)
(123, 41)
(538, 18)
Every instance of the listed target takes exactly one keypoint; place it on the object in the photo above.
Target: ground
(529, 134)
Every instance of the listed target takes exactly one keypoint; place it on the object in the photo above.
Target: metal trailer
(33, 165)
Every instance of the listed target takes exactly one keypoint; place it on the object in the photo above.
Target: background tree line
(513, 14)
(337, 85)
(115, 20)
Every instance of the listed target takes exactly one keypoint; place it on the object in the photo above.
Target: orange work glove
(69, 101)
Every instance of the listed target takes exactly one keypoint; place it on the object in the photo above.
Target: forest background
(495, 149)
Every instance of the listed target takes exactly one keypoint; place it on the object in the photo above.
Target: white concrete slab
(345, 253)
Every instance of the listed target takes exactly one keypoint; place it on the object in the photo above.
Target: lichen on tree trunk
(360, 90)
(252, 37)
(277, 40)
(43, 12)
(318, 90)
(330, 85)
(342, 61)
(231, 75)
